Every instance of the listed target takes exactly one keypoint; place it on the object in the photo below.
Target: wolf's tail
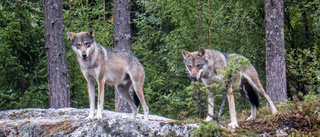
(136, 99)
(253, 96)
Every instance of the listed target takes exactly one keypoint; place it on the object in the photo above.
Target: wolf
(107, 66)
(204, 64)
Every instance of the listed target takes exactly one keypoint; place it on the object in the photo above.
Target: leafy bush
(207, 129)
(303, 71)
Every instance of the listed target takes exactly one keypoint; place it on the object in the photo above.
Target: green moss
(172, 134)
(62, 113)
(172, 123)
(20, 112)
(51, 129)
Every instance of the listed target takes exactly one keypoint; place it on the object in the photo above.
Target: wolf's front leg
(90, 85)
(100, 99)
(232, 110)
(210, 107)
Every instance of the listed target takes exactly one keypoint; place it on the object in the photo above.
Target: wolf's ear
(185, 54)
(71, 35)
(202, 51)
(90, 32)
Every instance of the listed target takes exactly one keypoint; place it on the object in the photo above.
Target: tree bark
(70, 12)
(276, 86)
(122, 40)
(104, 14)
(59, 93)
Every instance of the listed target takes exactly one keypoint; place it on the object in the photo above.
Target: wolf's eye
(87, 44)
(189, 66)
(78, 46)
(199, 66)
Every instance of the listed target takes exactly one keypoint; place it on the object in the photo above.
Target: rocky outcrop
(71, 122)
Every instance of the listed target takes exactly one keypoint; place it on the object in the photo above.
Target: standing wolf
(205, 63)
(113, 67)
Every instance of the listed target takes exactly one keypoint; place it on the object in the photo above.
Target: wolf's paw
(233, 125)
(89, 118)
(251, 118)
(146, 118)
(98, 117)
(208, 118)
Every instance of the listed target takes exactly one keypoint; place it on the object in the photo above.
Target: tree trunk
(200, 38)
(70, 13)
(59, 94)
(275, 51)
(104, 14)
(122, 40)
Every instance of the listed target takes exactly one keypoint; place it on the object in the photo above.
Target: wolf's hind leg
(253, 112)
(248, 93)
(137, 83)
(255, 83)
(264, 94)
(139, 93)
(124, 92)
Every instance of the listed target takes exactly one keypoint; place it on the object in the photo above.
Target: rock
(71, 122)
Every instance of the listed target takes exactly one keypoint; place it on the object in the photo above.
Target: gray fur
(210, 61)
(108, 66)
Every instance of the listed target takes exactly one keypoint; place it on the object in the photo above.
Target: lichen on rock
(71, 122)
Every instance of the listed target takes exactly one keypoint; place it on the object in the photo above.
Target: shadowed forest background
(160, 30)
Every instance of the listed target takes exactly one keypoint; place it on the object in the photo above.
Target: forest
(160, 29)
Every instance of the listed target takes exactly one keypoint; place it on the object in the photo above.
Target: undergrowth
(297, 118)
(207, 129)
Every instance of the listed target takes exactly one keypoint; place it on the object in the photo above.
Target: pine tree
(56, 55)
(122, 40)
(276, 83)
(23, 81)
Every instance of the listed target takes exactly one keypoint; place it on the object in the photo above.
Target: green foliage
(22, 75)
(303, 71)
(302, 46)
(198, 96)
(235, 65)
(207, 129)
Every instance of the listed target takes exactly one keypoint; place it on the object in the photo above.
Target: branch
(222, 104)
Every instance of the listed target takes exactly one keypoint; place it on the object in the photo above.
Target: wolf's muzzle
(84, 55)
(194, 78)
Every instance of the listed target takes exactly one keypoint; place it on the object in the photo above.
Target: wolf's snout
(194, 78)
(84, 55)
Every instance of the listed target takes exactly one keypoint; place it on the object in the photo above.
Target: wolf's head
(195, 63)
(82, 43)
